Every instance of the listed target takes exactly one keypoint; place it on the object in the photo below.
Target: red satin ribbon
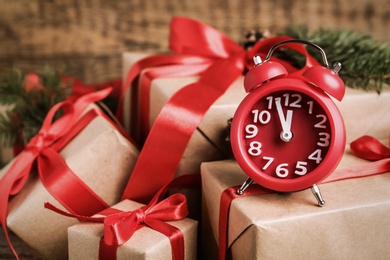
(219, 61)
(369, 148)
(80, 89)
(365, 147)
(119, 226)
(55, 175)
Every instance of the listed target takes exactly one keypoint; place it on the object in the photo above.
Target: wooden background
(87, 37)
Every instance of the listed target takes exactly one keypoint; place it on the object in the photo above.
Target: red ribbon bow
(218, 61)
(119, 226)
(54, 173)
(365, 147)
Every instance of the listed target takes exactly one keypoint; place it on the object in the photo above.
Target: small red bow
(119, 226)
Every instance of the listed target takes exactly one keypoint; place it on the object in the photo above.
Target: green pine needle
(365, 61)
(26, 110)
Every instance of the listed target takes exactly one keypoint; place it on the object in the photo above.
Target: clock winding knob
(257, 60)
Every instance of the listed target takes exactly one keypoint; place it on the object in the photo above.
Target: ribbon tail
(142, 113)
(3, 217)
(5, 189)
(53, 208)
(359, 171)
(82, 102)
(11, 183)
(65, 186)
(227, 197)
(107, 252)
(174, 234)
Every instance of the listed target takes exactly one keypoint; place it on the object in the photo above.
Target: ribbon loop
(120, 227)
(189, 36)
(369, 148)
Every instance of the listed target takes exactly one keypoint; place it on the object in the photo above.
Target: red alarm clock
(287, 134)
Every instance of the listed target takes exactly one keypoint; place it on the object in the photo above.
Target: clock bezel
(326, 166)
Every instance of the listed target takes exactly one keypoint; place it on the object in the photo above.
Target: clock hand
(288, 120)
(286, 134)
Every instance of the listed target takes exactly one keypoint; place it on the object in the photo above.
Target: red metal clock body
(288, 134)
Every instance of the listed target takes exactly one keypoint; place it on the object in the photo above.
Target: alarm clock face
(286, 135)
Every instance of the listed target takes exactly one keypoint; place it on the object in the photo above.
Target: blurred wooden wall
(87, 37)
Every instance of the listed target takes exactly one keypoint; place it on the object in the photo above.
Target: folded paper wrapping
(101, 157)
(146, 243)
(365, 113)
(353, 224)
(362, 112)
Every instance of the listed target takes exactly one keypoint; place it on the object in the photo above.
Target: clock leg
(244, 186)
(317, 194)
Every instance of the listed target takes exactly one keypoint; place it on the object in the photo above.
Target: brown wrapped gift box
(146, 243)
(361, 110)
(353, 224)
(365, 113)
(102, 158)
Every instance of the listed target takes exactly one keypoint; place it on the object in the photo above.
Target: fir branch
(27, 103)
(11, 91)
(365, 61)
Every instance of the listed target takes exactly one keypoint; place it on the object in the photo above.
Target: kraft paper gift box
(145, 243)
(353, 224)
(362, 111)
(101, 157)
(366, 113)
